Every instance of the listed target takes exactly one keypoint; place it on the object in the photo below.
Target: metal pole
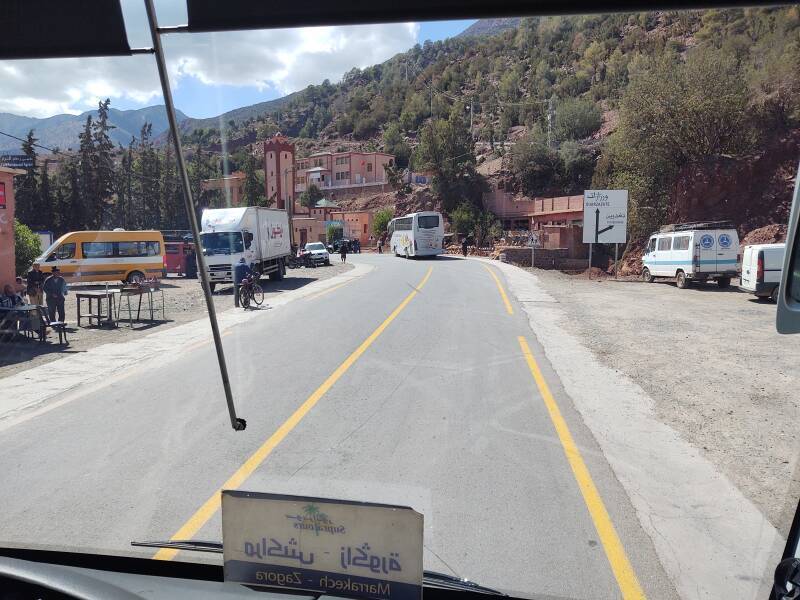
(590, 261)
(616, 260)
(237, 423)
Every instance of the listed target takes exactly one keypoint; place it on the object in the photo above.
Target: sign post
(605, 219)
(533, 241)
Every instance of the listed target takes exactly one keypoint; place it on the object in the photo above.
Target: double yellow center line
(190, 528)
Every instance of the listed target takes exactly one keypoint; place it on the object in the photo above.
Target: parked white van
(692, 252)
(761, 269)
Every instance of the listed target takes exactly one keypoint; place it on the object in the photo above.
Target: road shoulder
(28, 393)
(711, 540)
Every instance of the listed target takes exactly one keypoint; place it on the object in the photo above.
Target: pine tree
(253, 188)
(89, 192)
(147, 173)
(46, 217)
(27, 188)
(173, 214)
(104, 160)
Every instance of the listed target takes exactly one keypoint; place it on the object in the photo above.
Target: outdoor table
(95, 299)
(27, 312)
(141, 292)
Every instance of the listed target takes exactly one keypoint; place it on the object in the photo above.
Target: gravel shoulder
(714, 365)
(184, 302)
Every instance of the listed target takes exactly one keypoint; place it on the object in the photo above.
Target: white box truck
(693, 252)
(761, 270)
(260, 235)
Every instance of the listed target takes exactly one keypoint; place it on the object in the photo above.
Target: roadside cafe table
(155, 302)
(23, 320)
(102, 306)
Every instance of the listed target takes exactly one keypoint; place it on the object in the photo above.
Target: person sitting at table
(10, 298)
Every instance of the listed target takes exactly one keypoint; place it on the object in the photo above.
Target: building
(279, 171)
(520, 212)
(232, 187)
(356, 224)
(7, 253)
(308, 229)
(341, 170)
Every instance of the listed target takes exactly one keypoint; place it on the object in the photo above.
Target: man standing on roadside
(55, 291)
(464, 246)
(35, 281)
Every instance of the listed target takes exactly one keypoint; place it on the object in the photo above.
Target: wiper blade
(429, 578)
(193, 545)
(449, 582)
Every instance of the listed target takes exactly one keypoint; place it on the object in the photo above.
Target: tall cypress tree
(89, 192)
(103, 159)
(45, 208)
(27, 188)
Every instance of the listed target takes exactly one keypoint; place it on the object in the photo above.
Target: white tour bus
(417, 234)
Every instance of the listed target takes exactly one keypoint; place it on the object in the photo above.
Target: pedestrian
(380, 245)
(464, 246)
(343, 251)
(55, 292)
(35, 280)
(241, 271)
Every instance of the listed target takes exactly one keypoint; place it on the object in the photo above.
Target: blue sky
(209, 73)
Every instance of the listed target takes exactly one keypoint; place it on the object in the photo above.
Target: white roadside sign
(605, 216)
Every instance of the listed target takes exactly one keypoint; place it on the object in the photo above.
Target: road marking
(509, 308)
(210, 506)
(329, 290)
(620, 565)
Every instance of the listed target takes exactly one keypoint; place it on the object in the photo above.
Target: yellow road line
(329, 290)
(509, 308)
(210, 506)
(623, 571)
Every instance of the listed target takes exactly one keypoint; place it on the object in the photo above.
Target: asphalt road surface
(418, 384)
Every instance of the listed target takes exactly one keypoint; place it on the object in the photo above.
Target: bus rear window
(428, 221)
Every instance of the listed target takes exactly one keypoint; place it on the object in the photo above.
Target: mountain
(237, 115)
(486, 27)
(62, 131)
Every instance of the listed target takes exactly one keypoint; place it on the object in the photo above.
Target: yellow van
(106, 255)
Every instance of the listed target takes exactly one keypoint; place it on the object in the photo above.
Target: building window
(270, 155)
(365, 228)
(369, 167)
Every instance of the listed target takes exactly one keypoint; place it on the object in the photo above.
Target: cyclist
(241, 271)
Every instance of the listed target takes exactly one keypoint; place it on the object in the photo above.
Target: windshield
(534, 326)
(222, 243)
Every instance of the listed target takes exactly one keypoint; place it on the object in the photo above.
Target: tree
(394, 144)
(89, 192)
(27, 188)
(253, 187)
(103, 161)
(172, 209)
(147, 181)
(576, 119)
(26, 247)
(462, 219)
(311, 196)
(486, 227)
(380, 221)
(535, 165)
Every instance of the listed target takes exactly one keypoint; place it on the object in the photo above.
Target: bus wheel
(681, 280)
(135, 277)
(646, 276)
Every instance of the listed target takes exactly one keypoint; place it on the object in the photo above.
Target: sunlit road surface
(418, 384)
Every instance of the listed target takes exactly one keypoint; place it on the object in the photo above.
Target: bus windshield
(428, 221)
(222, 242)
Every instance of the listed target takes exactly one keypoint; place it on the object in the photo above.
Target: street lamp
(289, 200)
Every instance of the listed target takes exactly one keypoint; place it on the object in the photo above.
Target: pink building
(232, 187)
(335, 170)
(356, 224)
(7, 254)
(520, 212)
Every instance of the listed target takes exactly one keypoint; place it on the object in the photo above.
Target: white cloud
(287, 60)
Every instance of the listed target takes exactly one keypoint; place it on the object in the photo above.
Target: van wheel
(724, 282)
(681, 280)
(135, 277)
(646, 276)
(774, 295)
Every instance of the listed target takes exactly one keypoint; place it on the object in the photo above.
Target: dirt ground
(183, 300)
(713, 363)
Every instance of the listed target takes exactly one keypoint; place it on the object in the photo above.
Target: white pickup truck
(260, 235)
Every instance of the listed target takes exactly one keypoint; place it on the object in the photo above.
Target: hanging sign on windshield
(335, 547)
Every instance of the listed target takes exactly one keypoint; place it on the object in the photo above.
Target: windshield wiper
(429, 578)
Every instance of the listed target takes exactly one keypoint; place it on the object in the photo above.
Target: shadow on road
(12, 353)
(269, 286)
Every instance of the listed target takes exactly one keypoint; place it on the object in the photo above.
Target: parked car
(317, 253)
(692, 252)
(337, 245)
(761, 269)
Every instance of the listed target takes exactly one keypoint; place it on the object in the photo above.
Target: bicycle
(250, 290)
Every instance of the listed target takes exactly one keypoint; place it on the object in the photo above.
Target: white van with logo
(692, 252)
(761, 269)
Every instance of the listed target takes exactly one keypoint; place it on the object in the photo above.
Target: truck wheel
(724, 282)
(646, 276)
(277, 274)
(681, 280)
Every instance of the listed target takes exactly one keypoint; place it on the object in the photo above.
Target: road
(420, 383)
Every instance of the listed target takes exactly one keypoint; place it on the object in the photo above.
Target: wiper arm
(449, 582)
(429, 578)
(193, 545)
